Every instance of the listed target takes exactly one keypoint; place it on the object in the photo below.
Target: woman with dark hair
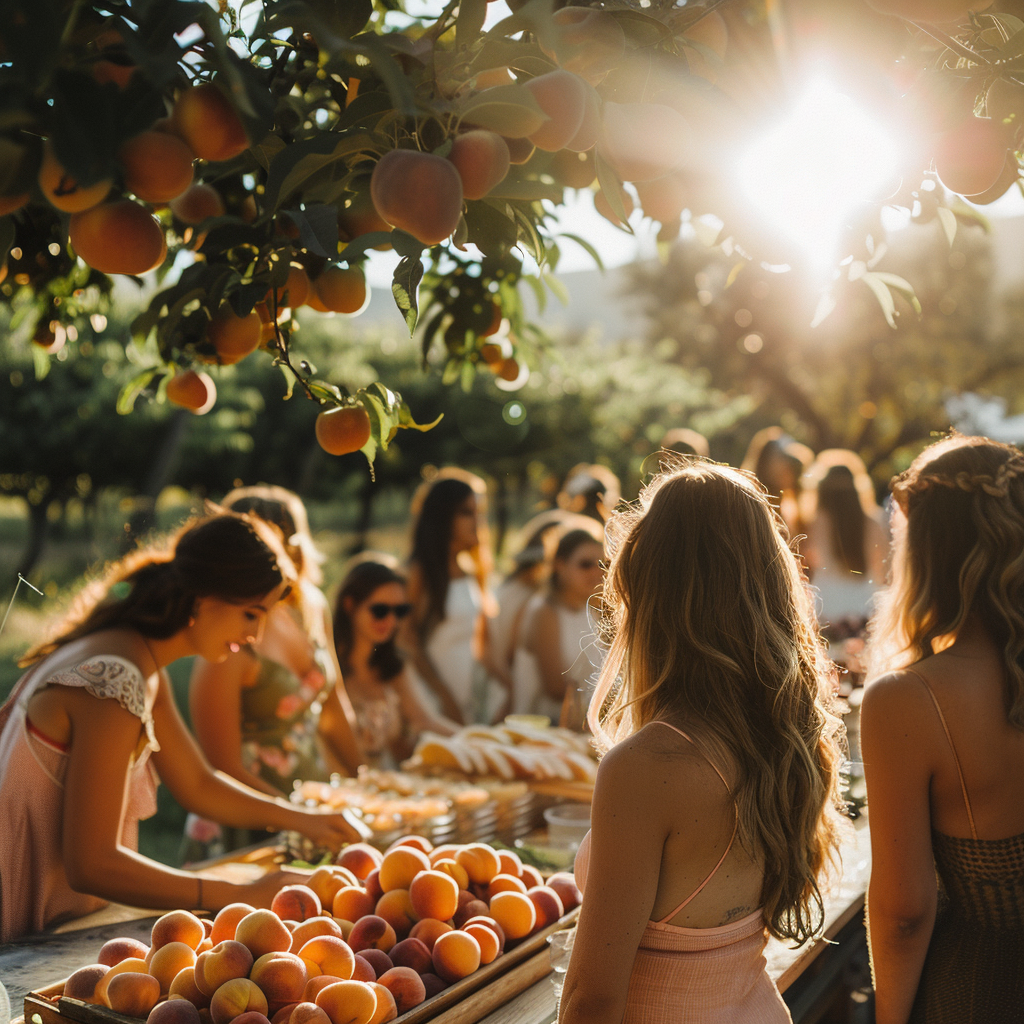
(779, 463)
(277, 711)
(85, 727)
(371, 604)
(556, 634)
(446, 634)
(942, 734)
(716, 809)
(845, 551)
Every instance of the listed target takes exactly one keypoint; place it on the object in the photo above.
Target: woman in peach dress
(85, 727)
(717, 809)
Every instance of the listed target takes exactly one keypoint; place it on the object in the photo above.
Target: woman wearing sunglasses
(276, 712)
(389, 713)
(554, 647)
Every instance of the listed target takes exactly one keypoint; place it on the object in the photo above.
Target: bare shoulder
(897, 709)
(651, 759)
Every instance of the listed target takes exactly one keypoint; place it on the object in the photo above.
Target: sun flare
(821, 159)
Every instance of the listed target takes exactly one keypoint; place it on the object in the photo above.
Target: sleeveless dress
(34, 889)
(974, 970)
(280, 713)
(451, 650)
(575, 642)
(379, 724)
(699, 975)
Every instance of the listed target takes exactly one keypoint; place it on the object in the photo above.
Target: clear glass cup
(560, 944)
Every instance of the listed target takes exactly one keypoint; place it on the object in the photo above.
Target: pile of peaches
(367, 939)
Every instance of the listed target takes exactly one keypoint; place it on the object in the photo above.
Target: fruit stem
(441, 25)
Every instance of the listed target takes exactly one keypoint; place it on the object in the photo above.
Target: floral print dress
(280, 713)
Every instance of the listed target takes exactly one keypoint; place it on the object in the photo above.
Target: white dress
(579, 654)
(450, 648)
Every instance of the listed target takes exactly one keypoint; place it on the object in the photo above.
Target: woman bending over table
(93, 722)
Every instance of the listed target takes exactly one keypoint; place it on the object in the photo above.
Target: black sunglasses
(381, 610)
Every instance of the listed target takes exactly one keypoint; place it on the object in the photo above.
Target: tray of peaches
(407, 935)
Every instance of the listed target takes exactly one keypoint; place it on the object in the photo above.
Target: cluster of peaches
(401, 927)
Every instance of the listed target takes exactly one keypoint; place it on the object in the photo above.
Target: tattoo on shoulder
(735, 913)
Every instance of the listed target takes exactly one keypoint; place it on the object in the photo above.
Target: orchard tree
(253, 154)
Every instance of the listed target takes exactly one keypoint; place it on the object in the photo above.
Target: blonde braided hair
(959, 554)
(996, 485)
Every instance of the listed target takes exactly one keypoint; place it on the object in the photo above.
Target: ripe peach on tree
(481, 158)
(343, 429)
(419, 193)
(206, 120)
(122, 237)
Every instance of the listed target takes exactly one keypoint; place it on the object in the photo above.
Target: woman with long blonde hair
(716, 810)
(942, 732)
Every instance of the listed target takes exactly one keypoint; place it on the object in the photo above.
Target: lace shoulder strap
(109, 676)
(952, 748)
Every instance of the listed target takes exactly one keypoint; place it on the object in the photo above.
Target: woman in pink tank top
(86, 726)
(716, 809)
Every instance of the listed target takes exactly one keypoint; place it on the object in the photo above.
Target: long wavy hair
(154, 589)
(368, 574)
(958, 551)
(709, 624)
(434, 507)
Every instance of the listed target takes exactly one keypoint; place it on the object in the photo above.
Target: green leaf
(948, 221)
(318, 229)
(299, 161)
(40, 361)
(491, 229)
(532, 239)
(354, 251)
(509, 110)
(404, 287)
(587, 247)
(557, 287)
(131, 391)
(901, 286)
(884, 296)
(611, 186)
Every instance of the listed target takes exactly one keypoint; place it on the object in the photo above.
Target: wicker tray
(465, 1002)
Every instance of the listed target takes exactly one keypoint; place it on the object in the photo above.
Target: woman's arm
(902, 892)
(336, 726)
(215, 703)
(215, 795)
(104, 737)
(411, 641)
(622, 882)
(543, 639)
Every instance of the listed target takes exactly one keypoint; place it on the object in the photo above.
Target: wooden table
(32, 963)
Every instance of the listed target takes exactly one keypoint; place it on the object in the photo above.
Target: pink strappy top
(34, 889)
(699, 975)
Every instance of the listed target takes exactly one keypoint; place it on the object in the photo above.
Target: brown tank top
(974, 971)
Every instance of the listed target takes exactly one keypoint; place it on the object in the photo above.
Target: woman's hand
(262, 892)
(333, 829)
